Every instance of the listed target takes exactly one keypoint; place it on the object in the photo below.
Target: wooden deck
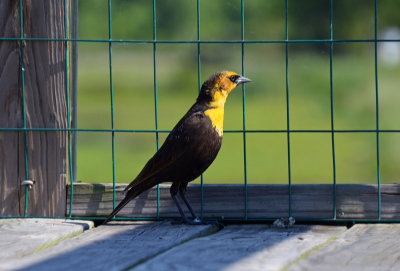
(48, 244)
(164, 246)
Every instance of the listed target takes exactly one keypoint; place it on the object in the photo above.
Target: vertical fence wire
(287, 105)
(244, 113)
(22, 74)
(73, 15)
(377, 107)
(199, 89)
(331, 104)
(155, 94)
(72, 155)
(111, 98)
(67, 96)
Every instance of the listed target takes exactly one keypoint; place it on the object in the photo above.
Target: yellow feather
(216, 115)
(216, 112)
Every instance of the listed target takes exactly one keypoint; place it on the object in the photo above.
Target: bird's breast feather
(216, 115)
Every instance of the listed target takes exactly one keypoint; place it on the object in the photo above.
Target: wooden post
(45, 105)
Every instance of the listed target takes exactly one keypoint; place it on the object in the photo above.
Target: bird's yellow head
(215, 89)
(214, 92)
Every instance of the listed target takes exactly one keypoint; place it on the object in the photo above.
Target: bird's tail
(131, 194)
(117, 209)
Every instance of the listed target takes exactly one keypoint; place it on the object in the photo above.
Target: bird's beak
(242, 80)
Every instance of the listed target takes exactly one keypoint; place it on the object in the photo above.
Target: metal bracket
(29, 183)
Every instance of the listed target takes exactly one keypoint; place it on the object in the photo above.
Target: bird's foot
(194, 221)
(197, 221)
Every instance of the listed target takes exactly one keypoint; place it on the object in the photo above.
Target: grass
(267, 161)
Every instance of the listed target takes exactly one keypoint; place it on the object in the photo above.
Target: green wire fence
(243, 131)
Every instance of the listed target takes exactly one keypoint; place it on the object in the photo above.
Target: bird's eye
(233, 78)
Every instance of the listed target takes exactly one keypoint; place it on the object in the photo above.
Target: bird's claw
(197, 221)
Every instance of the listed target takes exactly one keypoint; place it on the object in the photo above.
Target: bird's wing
(177, 144)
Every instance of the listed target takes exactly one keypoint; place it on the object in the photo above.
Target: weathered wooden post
(45, 106)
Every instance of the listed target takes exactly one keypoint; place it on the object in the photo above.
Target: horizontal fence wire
(225, 131)
(363, 220)
(288, 131)
(200, 41)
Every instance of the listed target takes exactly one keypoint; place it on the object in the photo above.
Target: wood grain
(264, 201)
(244, 247)
(116, 246)
(45, 99)
(362, 247)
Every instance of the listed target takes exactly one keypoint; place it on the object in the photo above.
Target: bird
(190, 148)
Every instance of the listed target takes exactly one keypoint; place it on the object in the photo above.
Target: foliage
(308, 19)
(309, 87)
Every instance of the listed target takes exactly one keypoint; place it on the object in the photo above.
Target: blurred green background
(265, 100)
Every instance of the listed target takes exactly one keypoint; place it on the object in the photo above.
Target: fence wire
(244, 131)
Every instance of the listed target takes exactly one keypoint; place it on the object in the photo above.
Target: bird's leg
(184, 217)
(175, 198)
(182, 193)
(196, 219)
(185, 200)
(175, 188)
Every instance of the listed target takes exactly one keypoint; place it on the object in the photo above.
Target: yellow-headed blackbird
(191, 146)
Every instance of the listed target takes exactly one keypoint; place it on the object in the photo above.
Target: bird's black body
(195, 144)
(187, 152)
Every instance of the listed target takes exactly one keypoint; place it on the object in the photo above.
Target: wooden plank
(116, 246)
(362, 247)
(44, 81)
(21, 237)
(264, 201)
(10, 111)
(243, 247)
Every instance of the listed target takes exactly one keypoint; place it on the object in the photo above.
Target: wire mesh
(244, 131)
